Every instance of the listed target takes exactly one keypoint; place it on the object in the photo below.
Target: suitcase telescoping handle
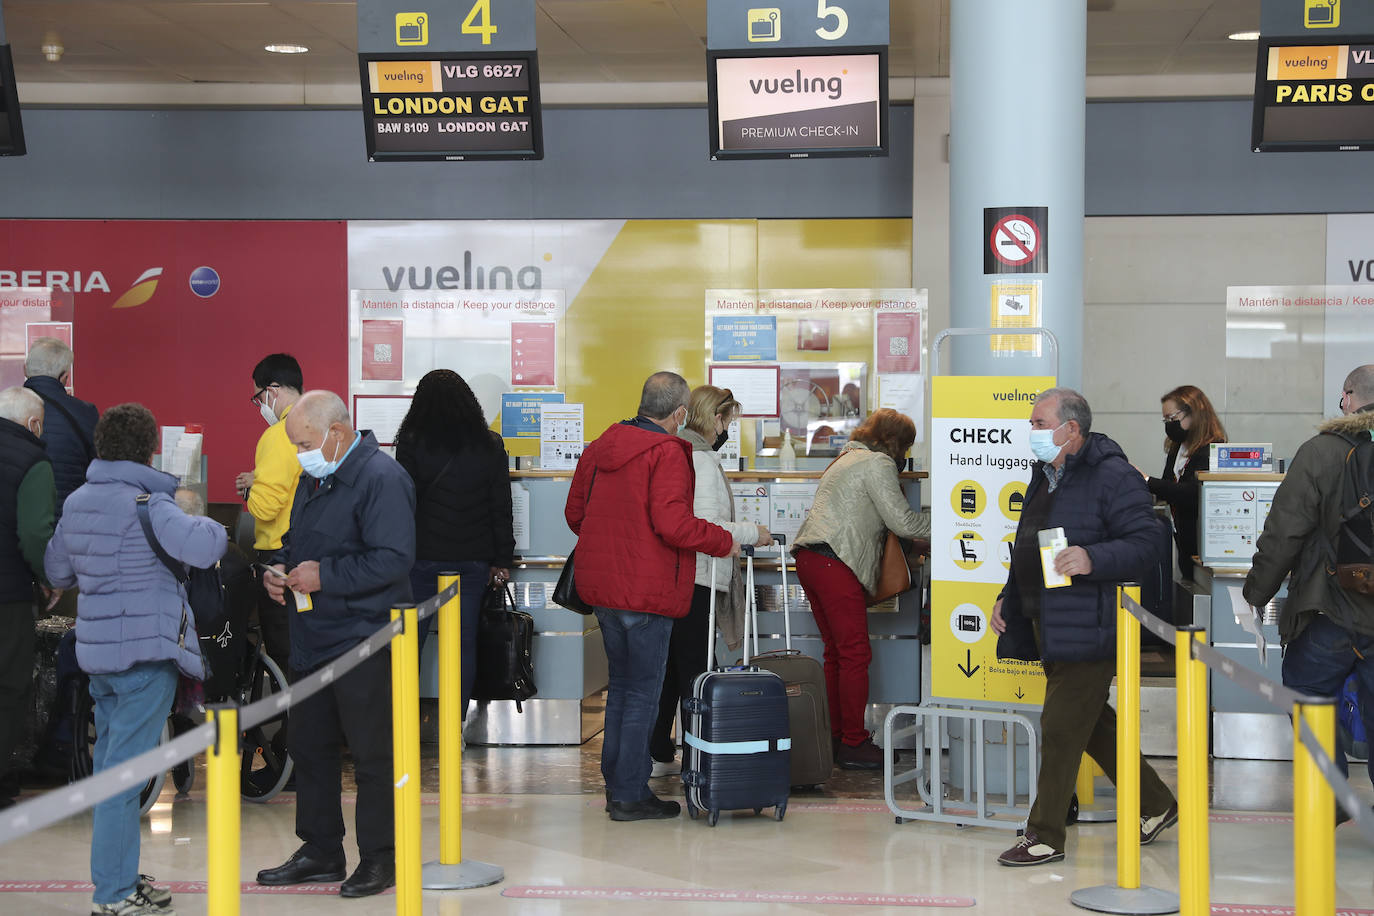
(748, 551)
(781, 540)
(751, 622)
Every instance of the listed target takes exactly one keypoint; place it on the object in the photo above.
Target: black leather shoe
(372, 876)
(303, 868)
(651, 808)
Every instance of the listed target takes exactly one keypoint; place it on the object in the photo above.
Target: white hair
(20, 405)
(48, 356)
(321, 409)
(189, 501)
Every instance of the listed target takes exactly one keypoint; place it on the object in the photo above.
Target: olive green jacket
(859, 499)
(1300, 536)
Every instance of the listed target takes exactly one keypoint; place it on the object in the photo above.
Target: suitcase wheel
(712, 817)
(692, 811)
(779, 811)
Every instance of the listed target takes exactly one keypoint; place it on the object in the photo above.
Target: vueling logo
(469, 276)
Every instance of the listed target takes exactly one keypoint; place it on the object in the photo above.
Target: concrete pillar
(1017, 87)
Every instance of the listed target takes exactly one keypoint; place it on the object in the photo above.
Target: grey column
(1017, 86)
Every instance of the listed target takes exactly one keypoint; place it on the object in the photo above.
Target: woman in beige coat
(837, 552)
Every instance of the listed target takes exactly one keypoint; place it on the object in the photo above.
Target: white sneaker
(668, 768)
(136, 904)
(159, 897)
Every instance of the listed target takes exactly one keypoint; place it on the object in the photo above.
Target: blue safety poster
(520, 412)
(741, 338)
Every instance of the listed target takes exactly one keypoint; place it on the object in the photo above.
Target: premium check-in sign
(824, 101)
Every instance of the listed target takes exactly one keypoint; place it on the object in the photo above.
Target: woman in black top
(1190, 427)
(462, 499)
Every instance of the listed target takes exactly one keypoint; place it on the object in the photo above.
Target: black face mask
(720, 440)
(1175, 431)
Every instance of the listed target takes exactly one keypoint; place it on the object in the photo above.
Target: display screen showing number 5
(831, 11)
(478, 21)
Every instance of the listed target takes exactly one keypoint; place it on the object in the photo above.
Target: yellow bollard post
(405, 745)
(1194, 864)
(1127, 742)
(450, 726)
(1127, 896)
(1314, 813)
(451, 872)
(223, 761)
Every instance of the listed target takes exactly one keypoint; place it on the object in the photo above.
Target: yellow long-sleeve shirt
(275, 474)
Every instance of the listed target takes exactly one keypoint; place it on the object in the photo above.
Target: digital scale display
(1249, 457)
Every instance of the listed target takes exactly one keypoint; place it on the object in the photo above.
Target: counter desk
(570, 661)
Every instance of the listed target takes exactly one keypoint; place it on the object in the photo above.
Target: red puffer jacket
(630, 504)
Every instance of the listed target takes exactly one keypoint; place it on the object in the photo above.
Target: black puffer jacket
(462, 502)
(1102, 505)
(70, 448)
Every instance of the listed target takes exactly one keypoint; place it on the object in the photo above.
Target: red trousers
(839, 606)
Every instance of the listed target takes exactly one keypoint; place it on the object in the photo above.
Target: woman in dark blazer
(463, 511)
(1190, 428)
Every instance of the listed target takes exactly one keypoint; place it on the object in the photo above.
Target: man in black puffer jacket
(1082, 483)
(68, 422)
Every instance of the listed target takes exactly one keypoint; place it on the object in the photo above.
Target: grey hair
(1360, 383)
(1071, 406)
(19, 405)
(664, 392)
(48, 356)
(190, 501)
(322, 409)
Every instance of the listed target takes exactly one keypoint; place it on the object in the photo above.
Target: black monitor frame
(9, 106)
(801, 152)
(1257, 126)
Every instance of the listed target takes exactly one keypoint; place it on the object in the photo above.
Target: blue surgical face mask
(1042, 444)
(314, 464)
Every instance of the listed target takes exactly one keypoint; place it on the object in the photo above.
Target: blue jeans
(636, 656)
(1322, 658)
(472, 582)
(130, 709)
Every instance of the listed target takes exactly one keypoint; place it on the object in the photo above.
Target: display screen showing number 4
(478, 21)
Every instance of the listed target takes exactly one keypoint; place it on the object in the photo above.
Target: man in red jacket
(630, 504)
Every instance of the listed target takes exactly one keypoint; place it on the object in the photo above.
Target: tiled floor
(537, 813)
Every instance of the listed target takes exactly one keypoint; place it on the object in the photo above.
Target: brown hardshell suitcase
(808, 709)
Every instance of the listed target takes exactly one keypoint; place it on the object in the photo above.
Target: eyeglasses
(257, 396)
(1176, 415)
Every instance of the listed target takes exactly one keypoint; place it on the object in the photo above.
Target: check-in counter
(570, 660)
(1231, 515)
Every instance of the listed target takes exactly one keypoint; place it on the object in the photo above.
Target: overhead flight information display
(451, 107)
(1312, 96)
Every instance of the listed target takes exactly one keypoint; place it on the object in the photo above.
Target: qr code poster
(898, 343)
(384, 344)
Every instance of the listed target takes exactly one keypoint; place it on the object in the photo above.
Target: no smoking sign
(1015, 240)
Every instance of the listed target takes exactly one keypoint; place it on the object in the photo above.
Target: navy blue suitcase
(737, 743)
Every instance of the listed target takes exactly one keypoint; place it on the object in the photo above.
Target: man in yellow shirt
(269, 489)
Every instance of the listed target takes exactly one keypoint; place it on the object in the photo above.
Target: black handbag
(565, 591)
(505, 641)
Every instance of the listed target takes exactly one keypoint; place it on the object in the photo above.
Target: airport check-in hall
(783, 457)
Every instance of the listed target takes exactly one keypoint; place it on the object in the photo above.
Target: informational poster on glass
(827, 343)
(21, 306)
(381, 413)
(469, 331)
(755, 387)
(560, 436)
(980, 466)
(789, 504)
(520, 412)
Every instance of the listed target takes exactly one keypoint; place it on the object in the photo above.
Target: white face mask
(267, 412)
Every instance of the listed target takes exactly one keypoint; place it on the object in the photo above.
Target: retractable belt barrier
(1282, 698)
(49, 808)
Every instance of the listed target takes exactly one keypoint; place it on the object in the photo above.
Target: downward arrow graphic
(1019, 693)
(968, 667)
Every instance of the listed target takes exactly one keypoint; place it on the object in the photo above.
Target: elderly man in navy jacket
(1082, 483)
(68, 422)
(349, 550)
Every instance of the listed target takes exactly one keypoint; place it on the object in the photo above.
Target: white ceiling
(165, 51)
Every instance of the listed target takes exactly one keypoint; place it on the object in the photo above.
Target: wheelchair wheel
(266, 764)
(83, 748)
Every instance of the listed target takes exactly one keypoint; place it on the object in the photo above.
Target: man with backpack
(1318, 531)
